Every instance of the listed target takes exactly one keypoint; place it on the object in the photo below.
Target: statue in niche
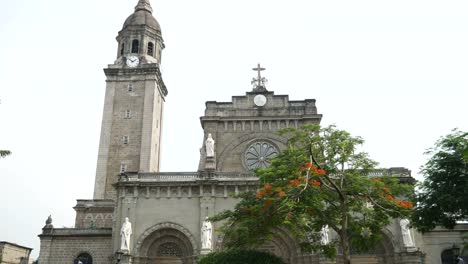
(206, 234)
(406, 233)
(125, 234)
(209, 145)
(324, 239)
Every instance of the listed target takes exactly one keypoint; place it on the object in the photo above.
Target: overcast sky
(393, 72)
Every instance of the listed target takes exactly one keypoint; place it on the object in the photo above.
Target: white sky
(393, 72)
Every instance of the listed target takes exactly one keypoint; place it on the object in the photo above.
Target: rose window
(259, 155)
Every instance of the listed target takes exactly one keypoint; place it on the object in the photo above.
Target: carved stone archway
(165, 243)
(282, 244)
(384, 252)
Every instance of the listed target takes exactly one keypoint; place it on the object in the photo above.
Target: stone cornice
(142, 69)
(74, 232)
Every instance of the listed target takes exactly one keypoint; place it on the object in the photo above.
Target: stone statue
(324, 240)
(209, 145)
(206, 234)
(125, 234)
(406, 233)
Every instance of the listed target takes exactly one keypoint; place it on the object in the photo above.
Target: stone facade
(14, 254)
(133, 105)
(59, 246)
(166, 210)
(238, 124)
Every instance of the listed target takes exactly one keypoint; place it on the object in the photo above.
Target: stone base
(210, 164)
(414, 257)
(205, 251)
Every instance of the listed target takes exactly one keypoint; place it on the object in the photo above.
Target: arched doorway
(165, 244)
(83, 258)
(282, 244)
(383, 253)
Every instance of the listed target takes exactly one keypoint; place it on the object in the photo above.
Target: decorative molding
(166, 225)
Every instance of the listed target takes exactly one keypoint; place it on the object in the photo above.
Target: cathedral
(143, 216)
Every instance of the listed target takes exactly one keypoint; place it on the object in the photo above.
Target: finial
(49, 220)
(48, 223)
(144, 5)
(259, 83)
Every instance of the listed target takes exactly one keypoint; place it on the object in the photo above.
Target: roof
(13, 244)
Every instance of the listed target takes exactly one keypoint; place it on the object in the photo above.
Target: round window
(259, 154)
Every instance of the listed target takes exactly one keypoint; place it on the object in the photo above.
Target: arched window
(150, 48)
(83, 258)
(122, 49)
(135, 46)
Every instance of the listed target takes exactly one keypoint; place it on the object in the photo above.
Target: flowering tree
(320, 180)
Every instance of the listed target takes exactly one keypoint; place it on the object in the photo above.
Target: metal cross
(259, 70)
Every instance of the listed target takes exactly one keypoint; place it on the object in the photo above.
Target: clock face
(260, 100)
(133, 61)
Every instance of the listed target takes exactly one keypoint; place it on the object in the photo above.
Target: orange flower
(281, 194)
(268, 188)
(309, 165)
(321, 172)
(389, 197)
(315, 183)
(404, 204)
(295, 182)
(386, 189)
(260, 194)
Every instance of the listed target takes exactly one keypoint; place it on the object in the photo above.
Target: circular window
(259, 154)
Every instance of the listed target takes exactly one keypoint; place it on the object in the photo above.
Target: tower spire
(144, 5)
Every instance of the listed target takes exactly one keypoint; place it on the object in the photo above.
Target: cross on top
(259, 82)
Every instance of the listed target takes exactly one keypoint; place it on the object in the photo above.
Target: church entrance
(166, 246)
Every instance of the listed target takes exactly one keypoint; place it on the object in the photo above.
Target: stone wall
(12, 253)
(238, 124)
(94, 214)
(61, 246)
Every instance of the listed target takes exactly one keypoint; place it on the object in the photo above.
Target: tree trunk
(346, 249)
(344, 236)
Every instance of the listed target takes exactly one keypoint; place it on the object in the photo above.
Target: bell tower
(134, 101)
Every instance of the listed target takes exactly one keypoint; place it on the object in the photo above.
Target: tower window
(123, 168)
(122, 48)
(128, 114)
(125, 140)
(130, 87)
(135, 46)
(151, 49)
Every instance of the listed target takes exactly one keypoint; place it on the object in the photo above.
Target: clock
(260, 100)
(132, 61)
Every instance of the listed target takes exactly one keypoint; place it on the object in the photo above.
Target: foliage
(443, 197)
(241, 257)
(4, 153)
(321, 179)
